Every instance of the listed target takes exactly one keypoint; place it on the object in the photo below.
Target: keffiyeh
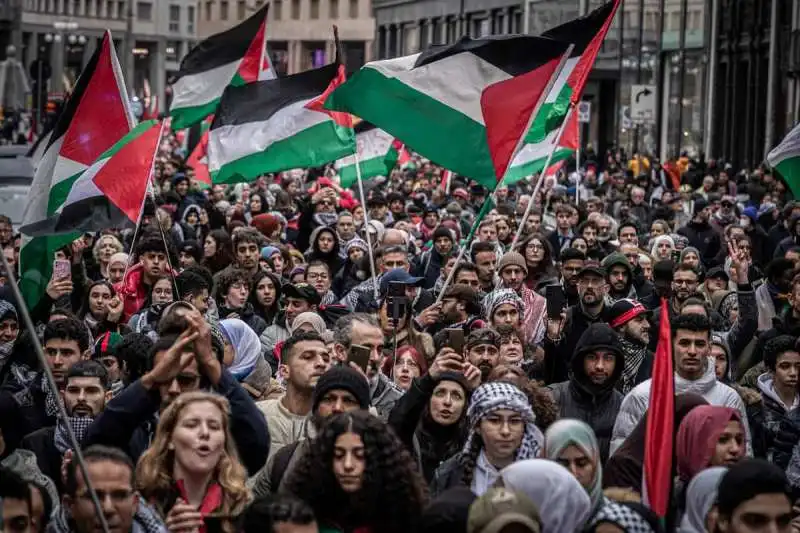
(623, 516)
(495, 395)
(496, 298)
(79, 424)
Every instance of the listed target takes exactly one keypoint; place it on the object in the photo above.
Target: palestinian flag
(473, 97)
(110, 193)
(587, 34)
(233, 57)
(277, 125)
(532, 158)
(376, 153)
(93, 119)
(785, 158)
(660, 429)
(198, 159)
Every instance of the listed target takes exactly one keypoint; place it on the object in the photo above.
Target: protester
(701, 498)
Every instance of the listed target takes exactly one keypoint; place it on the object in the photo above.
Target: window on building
(190, 19)
(223, 10)
(295, 9)
(333, 10)
(174, 18)
(144, 11)
(241, 10)
(353, 9)
(110, 9)
(277, 9)
(122, 9)
(314, 9)
(209, 8)
(173, 50)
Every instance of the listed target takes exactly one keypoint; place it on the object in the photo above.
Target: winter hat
(266, 223)
(7, 310)
(623, 311)
(341, 378)
(23, 463)
(498, 297)
(456, 377)
(512, 258)
(268, 251)
(105, 344)
(119, 257)
(442, 231)
(357, 243)
(699, 205)
(498, 508)
(193, 248)
(751, 212)
(453, 209)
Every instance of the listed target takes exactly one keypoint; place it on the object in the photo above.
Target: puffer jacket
(580, 398)
(133, 291)
(775, 413)
(714, 392)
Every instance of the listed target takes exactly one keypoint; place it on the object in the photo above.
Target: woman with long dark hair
(161, 294)
(538, 256)
(217, 250)
(266, 295)
(102, 309)
(358, 476)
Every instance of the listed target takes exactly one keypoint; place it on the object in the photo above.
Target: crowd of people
(281, 357)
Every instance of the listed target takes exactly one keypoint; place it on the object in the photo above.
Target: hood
(767, 389)
(312, 240)
(617, 259)
(700, 386)
(597, 336)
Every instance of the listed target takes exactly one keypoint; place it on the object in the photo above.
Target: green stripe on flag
(520, 172)
(789, 168)
(37, 256)
(550, 117)
(184, 117)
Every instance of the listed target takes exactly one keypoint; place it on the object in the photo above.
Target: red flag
(659, 436)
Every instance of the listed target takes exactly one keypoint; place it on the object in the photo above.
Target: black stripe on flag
(581, 31)
(363, 127)
(222, 48)
(89, 214)
(257, 102)
(514, 54)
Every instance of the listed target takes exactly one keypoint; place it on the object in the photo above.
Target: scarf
(211, 501)
(80, 426)
(498, 297)
(50, 398)
(325, 219)
(634, 356)
(497, 395)
(623, 516)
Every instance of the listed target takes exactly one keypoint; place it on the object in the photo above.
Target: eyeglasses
(687, 282)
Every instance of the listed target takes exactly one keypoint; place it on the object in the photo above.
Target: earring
(171, 446)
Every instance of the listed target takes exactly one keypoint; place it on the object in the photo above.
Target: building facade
(64, 33)
(300, 32)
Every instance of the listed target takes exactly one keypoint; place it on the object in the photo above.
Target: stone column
(158, 69)
(429, 30)
(387, 33)
(57, 65)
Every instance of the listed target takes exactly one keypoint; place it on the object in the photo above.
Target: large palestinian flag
(93, 119)
(785, 158)
(198, 158)
(277, 125)
(464, 106)
(110, 193)
(377, 155)
(233, 57)
(587, 34)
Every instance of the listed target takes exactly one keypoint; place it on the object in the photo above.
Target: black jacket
(129, 422)
(580, 398)
(558, 354)
(23, 412)
(450, 474)
(705, 238)
(428, 266)
(247, 314)
(42, 444)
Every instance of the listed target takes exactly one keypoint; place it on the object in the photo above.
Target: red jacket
(133, 291)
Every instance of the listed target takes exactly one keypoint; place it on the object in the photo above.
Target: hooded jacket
(580, 398)
(635, 403)
(617, 259)
(705, 238)
(775, 413)
(133, 291)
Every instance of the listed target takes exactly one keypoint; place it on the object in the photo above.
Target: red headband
(630, 314)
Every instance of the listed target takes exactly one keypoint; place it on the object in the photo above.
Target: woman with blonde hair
(192, 470)
(102, 251)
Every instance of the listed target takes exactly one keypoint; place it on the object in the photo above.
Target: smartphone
(676, 256)
(360, 355)
(455, 337)
(556, 301)
(62, 269)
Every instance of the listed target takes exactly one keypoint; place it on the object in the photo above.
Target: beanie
(443, 231)
(512, 258)
(341, 378)
(266, 223)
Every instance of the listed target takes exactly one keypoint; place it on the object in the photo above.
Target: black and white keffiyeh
(498, 297)
(623, 516)
(496, 395)
(634, 356)
(80, 426)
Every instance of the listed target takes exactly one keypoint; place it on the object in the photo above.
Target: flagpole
(541, 177)
(492, 199)
(77, 454)
(366, 222)
(578, 168)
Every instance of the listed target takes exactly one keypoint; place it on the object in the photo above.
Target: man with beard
(85, 395)
(180, 363)
(590, 394)
(428, 266)
(629, 319)
(461, 308)
(304, 359)
(701, 234)
(339, 390)
(619, 276)
(572, 262)
(563, 334)
(346, 230)
(482, 349)
(484, 257)
(685, 282)
(298, 298)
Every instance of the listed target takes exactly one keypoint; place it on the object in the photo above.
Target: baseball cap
(500, 507)
(302, 291)
(717, 273)
(398, 275)
(592, 267)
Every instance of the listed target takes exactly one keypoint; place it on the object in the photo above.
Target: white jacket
(635, 403)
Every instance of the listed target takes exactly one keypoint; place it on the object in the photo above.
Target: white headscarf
(700, 497)
(563, 504)
(246, 347)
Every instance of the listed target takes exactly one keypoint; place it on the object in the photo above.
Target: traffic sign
(643, 104)
(584, 111)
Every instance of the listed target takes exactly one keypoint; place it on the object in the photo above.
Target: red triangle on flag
(340, 118)
(250, 67)
(124, 177)
(100, 112)
(198, 161)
